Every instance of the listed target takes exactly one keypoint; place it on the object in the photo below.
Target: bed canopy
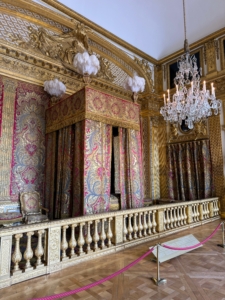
(79, 146)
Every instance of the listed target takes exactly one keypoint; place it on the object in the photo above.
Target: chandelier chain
(185, 29)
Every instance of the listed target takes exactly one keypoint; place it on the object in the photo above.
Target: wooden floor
(199, 274)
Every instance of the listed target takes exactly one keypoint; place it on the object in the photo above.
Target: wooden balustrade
(38, 249)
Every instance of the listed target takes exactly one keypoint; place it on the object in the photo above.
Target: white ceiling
(154, 26)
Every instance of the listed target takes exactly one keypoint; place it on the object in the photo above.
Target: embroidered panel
(92, 104)
(66, 112)
(28, 157)
(97, 167)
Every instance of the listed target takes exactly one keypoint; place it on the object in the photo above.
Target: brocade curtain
(190, 170)
(131, 173)
(97, 166)
(64, 172)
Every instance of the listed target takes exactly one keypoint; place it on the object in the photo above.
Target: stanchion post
(158, 280)
(222, 245)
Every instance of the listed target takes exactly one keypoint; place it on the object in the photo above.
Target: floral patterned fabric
(131, 173)
(10, 216)
(190, 171)
(30, 202)
(97, 166)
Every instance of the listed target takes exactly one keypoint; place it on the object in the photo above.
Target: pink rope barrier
(194, 246)
(90, 285)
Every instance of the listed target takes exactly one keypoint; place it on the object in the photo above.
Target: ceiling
(154, 26)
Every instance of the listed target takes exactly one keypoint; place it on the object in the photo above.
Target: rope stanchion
(194, 246)
(222, 245)
(66, 294)
(158, 280)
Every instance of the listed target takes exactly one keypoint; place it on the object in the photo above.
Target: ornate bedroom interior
(109, 170)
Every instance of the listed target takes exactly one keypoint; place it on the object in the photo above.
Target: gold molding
(99, 29)
(193, 46)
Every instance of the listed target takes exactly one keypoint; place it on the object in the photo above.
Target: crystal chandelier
(189, 103)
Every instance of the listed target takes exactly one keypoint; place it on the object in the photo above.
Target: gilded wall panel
(163, 165)
(7, 137)
(145, 124)
(217, 158)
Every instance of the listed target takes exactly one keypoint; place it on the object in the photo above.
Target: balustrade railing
(28, 251)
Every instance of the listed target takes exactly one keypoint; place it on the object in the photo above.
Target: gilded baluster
(165, 219)
(207, 210)
(39, 251)
(125, 231)
(130, 228)
(197, 210)
(195, 213)
(185, 215)
(168, 218)
(88, 237)
(81, 240)
(140, 226)
(135, 227)
(96, 236)
(153, 221)
(149, 223)
(17, 255)
(28, 254)
(216, 208)
(109, 232)
(178, 216)
(103, 235)
(64, 243)
(171, 218)
(72, 242)
(145, 224)
(175, 216)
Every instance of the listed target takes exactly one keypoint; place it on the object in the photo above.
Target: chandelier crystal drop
(189, 103)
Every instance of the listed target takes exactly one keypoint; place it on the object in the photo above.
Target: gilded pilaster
(210, 56)
(6, 143)
(154, 158)
(163, 166)
(217, 158)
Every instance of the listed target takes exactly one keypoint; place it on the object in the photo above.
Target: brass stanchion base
(221, 245)
(160, 281)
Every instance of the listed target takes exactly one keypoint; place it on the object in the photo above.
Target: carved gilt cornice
(193, 46)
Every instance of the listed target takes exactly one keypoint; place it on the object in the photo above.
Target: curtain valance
(92, 104)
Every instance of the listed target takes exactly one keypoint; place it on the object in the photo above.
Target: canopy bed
(79, 148)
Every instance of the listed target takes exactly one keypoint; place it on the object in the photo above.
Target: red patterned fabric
(131, 173)
(97, 166)
(12, 216)
(28, 153)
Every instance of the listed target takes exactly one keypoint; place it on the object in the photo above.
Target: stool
(8, 218)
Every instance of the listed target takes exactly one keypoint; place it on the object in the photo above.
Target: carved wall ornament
(147, 70)
(180, 133)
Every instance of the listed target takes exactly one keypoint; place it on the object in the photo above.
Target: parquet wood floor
(197, 275)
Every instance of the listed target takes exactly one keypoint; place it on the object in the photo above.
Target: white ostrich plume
(86, 64)
(54, 87)
(135, 84)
